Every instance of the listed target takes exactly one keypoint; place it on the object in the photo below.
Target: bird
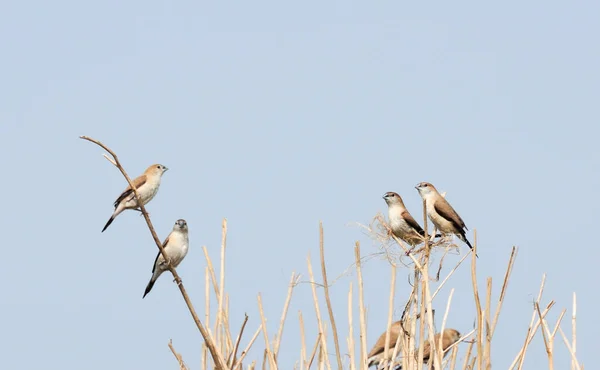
(147, 186)
(449, 337)
(441, 213)
(176, 247)
(375, 357)
(403, 225)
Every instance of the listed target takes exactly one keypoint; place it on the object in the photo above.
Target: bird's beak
(384, 196)
(166, 168)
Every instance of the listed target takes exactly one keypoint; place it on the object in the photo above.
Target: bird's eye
(158, 166)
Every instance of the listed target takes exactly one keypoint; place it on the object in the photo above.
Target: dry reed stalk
(411, 360)
(226, 322)
(437, 359)
(573, 358)
(218, 359)
(177, 356)
(237, 342)
(221, 295)
(549, 336)
(263, 320)
(245, 351)
(303, 362)
(530, 331)
(293, 283)
(361, 309)
(452, 360)
(313, 287)
(440, 353)
(207, 311)
(336, 341)
(574, 334)
(511, 263)
(203, 358)
(390, 312)
(422, 324)
(425, 299)
(314, 351)
(350, 331)
(486, 319)
(468, 355)
(530, 334)
(211, 269)
(265, 354)
(477, 303)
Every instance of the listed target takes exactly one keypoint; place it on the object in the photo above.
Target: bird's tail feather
(464, 239)
(148, 287)
(110, 220)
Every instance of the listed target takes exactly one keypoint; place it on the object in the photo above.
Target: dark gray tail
(148, 288)
(110, 220)
(464, 239)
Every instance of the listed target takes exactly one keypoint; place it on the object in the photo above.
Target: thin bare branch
(218, 359)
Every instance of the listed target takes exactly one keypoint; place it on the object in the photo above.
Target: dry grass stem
(336, 341)
(237, 342)
(293, 283)
(177, 356)
(390, 312)
(361, 309)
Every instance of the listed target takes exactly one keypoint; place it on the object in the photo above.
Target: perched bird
(403, 225)
(147, 185)
(176, 247)
(375, 357)
(441, 213)
(450, 336)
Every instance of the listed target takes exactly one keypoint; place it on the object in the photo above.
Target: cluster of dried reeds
(221, 351)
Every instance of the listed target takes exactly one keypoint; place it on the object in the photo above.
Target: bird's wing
(378, 347)
(411, 221)
(139, 181)
(444, 209)
(159, 254)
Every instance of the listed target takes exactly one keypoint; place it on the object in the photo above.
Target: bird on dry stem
(402, 223)
(449, 337)
(441, 213)
(147, 186)
(176, 247)
(376, 356)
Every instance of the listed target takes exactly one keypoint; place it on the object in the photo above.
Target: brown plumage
(441, 213)
(450, 336)
(147, 186)
(402, 223)
(377, 352)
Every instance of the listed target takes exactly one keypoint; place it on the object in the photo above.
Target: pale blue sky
(275, 116)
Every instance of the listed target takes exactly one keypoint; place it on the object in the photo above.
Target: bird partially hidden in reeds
(376, 358)
(449, 337)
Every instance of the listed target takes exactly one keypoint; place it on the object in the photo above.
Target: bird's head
(425, 188)
(392, 198)
(157, 169)
(452, 334)
(180, 225)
